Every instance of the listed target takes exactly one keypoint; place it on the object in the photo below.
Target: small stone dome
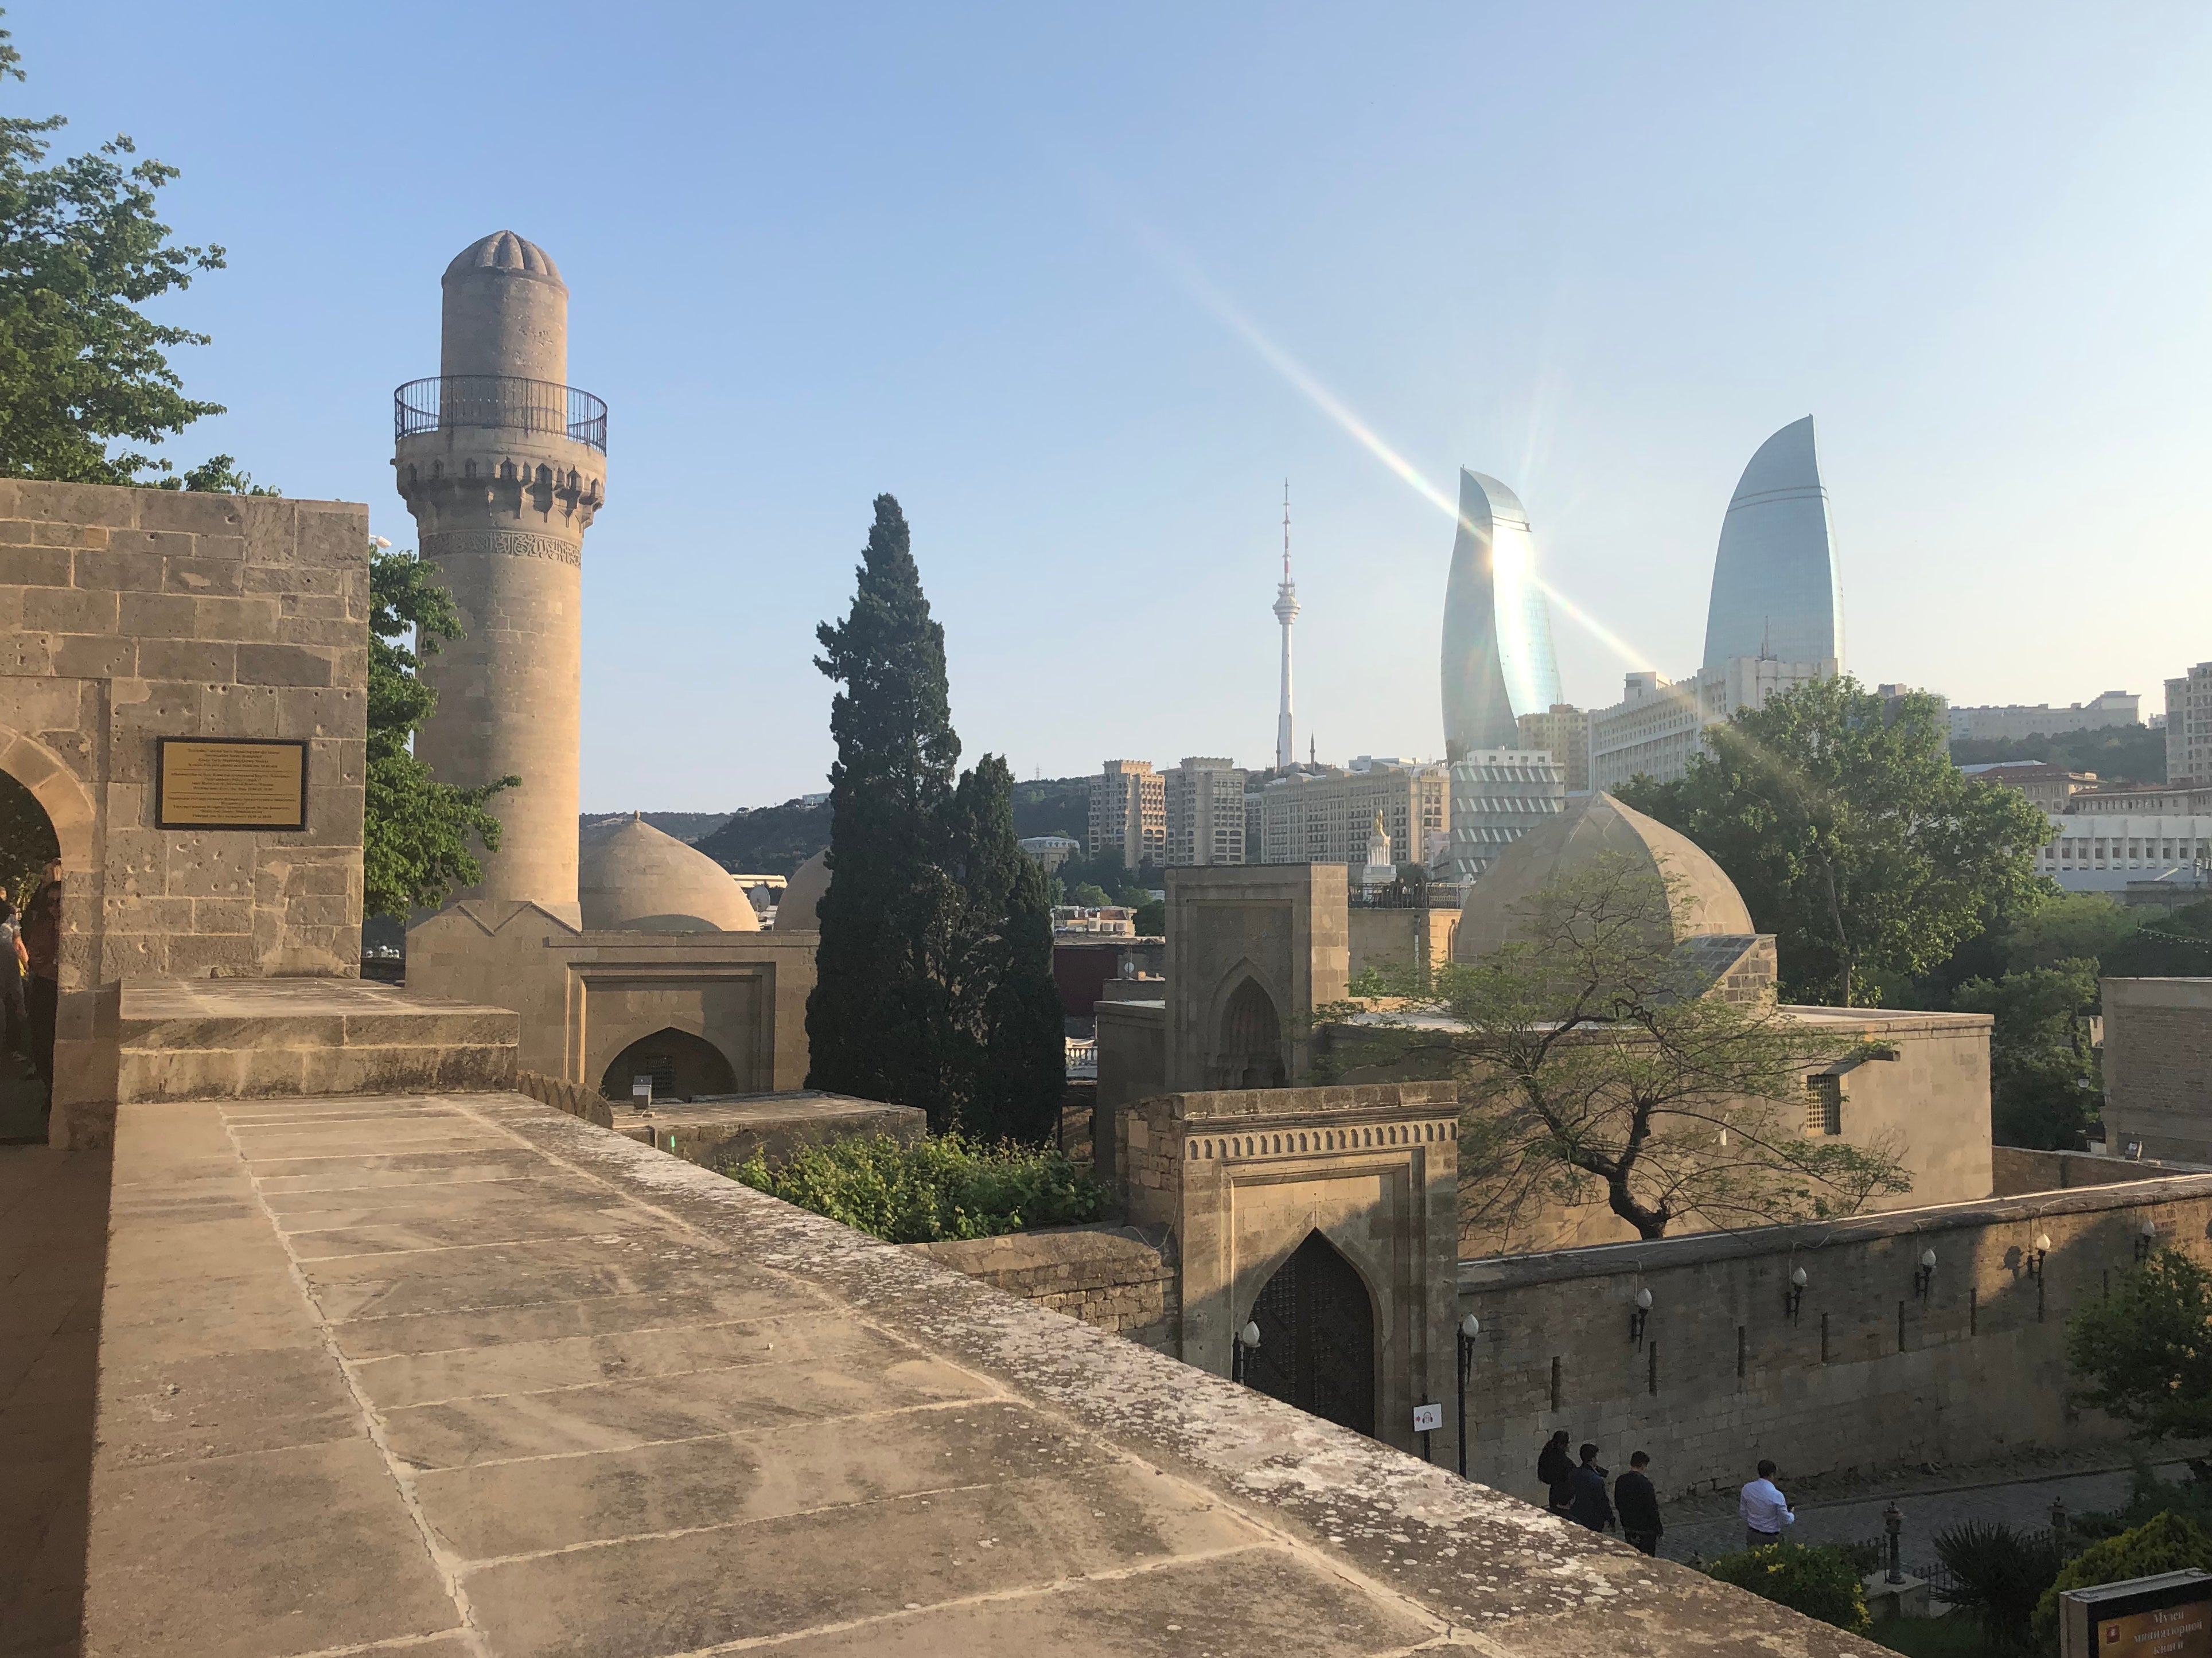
(1703, 900)
(630, 878)
(504, 250)
(794, 911)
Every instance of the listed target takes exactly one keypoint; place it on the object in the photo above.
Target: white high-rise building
(2189, 727)
(1659, 723)
(1205, 812)
(1498, 795)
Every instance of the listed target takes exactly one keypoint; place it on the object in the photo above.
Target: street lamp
(2037, 1251)
(1926, 1275)
(1638, 1319)
(1793, 1296)
(2146, 1238)
(1892, 1521)
(1469, 1328)
(1243, 1346)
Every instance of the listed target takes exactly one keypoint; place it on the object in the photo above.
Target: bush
(944, 1186)
(2168, 1543)
(1821, 1582)
(2001, 1574)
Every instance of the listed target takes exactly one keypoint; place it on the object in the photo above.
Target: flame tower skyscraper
(1286, 612)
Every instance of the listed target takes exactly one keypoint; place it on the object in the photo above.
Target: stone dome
(1703, 900)
(504, 250)
(631, 877)
(794, 911)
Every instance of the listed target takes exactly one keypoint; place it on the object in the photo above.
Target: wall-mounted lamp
(1793, 1296)
(1638, 1319)
(1244, 1345)
(1469, 1328)
(2036, 1252)
(1926, 1275)
(2146, 1238)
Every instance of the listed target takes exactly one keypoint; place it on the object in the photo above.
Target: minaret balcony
(445, 402)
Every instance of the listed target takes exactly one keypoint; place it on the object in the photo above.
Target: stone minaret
(503, 464)
(1286, 612)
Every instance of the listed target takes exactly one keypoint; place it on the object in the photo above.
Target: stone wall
(1132, 1062)
(2016, 1170)
(131, 615)
(1402, 938)
(1111, 1278)
(2158, 1066)
(1868, 1372)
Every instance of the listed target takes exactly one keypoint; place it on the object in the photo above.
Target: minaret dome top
(508, 254)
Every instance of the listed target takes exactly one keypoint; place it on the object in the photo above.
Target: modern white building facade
(1498, 795)
(1205, 812)
(1659, 723)
(2014, 720)
(2189, 727)
(1776, 591)
(1498, 658)
(2106, 852)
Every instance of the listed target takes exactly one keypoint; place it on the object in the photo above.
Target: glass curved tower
(1498, 630)
(1775, 589)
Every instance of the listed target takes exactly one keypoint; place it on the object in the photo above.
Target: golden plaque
(231, 783)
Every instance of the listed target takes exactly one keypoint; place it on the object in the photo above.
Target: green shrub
(2001, 1574)
(1821, 1582)
(944, 1186)
(2168, 1543)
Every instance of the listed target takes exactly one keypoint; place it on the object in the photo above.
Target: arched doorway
(682, 1068)
(1317, 1337)
(29, 846)
(1251, 1040)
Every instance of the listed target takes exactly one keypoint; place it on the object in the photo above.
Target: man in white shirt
(1765, 1511)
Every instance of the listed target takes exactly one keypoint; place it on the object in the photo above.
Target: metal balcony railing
(446, 401)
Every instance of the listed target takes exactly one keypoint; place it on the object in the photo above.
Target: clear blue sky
(958, 253)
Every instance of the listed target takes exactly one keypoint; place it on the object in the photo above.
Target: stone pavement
(459, 1374)
(53, 1225)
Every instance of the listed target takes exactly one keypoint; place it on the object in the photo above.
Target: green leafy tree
(79, 363)
(416, 830)
(1821, 1582)
(1590, 1058)
(218, 474)
(2044, 1081)
(2068, 927)
(2169, 1542)
(1088, 896)
(879, 1019)
(2143, 1355)
(26, 839)
(1852, 836)
(2175, 945)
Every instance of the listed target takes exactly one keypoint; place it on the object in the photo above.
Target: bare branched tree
(1588, 1051)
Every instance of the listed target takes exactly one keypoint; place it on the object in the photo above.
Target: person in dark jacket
(1590, 1506)
(1556, 1468)
(1639, 1503)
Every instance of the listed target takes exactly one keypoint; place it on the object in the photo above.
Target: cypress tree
(878, 1021)
(1008, 1052)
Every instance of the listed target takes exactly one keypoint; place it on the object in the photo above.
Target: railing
(446, 401)
(1082, 1058)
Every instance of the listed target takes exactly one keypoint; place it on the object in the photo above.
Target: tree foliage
(2116, 754)
(945, 1186)
(416, 829)
(2045, 1083)
(1997, 1576)
(26, 839)
(1587, 1053)
(1851, 836)
(1821, 1582)
(2143, 1355)
(81, 250)
(2168, 1542)
(934, 970)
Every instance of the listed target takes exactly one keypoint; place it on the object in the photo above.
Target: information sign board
(230, 783)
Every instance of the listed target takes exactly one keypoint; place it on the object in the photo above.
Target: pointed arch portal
(1251, 1039)
(682, 1068)
(1317, 1337)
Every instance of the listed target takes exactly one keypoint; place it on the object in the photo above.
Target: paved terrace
(459, 1374)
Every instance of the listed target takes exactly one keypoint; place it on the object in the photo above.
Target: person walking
(42, 946)
(1637, 1503)
(1590, 1506)
(1556, 1468)
(1765, 1511)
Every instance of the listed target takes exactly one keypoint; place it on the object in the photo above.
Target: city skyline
(1081, 296)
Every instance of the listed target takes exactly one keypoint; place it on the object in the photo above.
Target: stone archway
(1250, 1052)
(29, 846)
(1317, 1337)
(682, 1067)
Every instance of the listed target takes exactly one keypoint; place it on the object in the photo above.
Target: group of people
(30, 975)
(1576, 1490)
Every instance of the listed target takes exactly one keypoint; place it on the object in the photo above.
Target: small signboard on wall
(230, 783)
(2168, 1616)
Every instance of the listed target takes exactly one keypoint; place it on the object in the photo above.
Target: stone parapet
(1111, 1278)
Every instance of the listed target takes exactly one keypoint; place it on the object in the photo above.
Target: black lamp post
(1243, 1346)
(1793, 1296)
(1892, 1521)
(2036, 1253)
(1469, 1328)
(2146, 1238)
(1925, 1275)
(1639, 1317)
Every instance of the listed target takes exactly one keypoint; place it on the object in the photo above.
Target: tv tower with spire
(1286, 612)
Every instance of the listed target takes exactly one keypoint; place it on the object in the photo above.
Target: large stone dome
(503, 251)
(795, 910)
(633, 878)
(1703, 899)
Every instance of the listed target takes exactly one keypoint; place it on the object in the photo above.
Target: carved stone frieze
(513, 543)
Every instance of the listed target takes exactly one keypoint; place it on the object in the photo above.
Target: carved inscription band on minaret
(515, 544)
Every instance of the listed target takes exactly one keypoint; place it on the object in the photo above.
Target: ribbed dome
(631, 877)
(795, 910)
(1703, 899)
(505, 251)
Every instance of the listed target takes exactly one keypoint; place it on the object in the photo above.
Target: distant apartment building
(1105, 921)
(1498, 795)
(1562, 732)
(1204, 806)
(2154, 800)
(2124, 854)
(2054, 788)
(2189, 726)
(1049, 851)
(1129, 813)
(1659, 723)
(1326, 816)
(2014, 720)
